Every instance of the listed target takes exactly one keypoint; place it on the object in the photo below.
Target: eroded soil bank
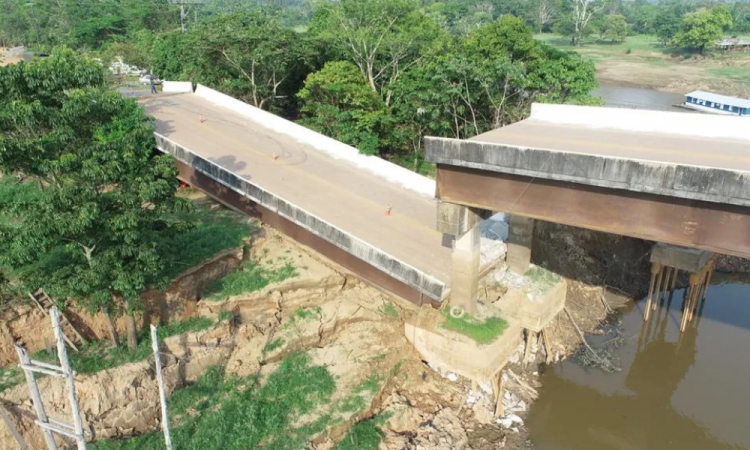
(355, 334)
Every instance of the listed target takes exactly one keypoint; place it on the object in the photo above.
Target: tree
(545, 12)
(582, 12)
(338, 102)
(615, 28)
(92, 232)
(382, 38)
(667, 25)
(508, 36)
(702, 28)
(490, 80)
(251, 56)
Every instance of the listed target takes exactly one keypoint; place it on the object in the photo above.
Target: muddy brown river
(689, 392)
(674, 392)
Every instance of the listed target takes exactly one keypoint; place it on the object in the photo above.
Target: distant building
(733, 44)
(717, 104)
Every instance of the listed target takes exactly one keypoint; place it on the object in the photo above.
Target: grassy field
(642, 60)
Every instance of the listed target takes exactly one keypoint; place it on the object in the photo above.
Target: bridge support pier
(462, 223)
(666, 263)
(520, 236)
(465, 270)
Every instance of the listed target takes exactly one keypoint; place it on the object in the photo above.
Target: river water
(638, 98)
(689, 392)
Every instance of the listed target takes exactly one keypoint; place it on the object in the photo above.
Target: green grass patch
(364, 435)
(480, 331)
(100, 355)
(740, 74)
(221, 412)
(273, 345)
(388, 309)
(253, 277)
(212, 231)
(10, 376)
(543, 279)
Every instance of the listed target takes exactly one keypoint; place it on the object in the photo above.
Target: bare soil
(357, 332)
(6, 61)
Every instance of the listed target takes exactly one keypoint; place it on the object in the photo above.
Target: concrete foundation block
(533, 314)
(447, 352)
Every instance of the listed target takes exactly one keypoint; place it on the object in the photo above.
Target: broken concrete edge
(388, 264)
(672, 180)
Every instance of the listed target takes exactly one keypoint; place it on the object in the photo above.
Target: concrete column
(520, 235)
(465, 270)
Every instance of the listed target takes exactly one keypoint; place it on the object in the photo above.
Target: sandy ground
(679, 78)
(5, 61)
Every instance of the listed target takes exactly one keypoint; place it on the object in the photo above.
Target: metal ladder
(30, 366)
(45, 303)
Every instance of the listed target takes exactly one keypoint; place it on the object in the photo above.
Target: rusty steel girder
(690, 223)
(358, 267)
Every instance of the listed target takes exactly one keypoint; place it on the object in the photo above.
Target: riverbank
(641, 61)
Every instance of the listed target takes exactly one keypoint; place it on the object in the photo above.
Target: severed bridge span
(678, 179)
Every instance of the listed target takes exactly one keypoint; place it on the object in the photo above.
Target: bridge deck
(664, 148)
(334, 190)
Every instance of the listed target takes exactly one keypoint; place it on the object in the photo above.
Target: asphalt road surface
(663, 148)
(349, 198)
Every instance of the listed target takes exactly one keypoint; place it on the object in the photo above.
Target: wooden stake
(36, 397)
(687, 312)
(12, 427)
(498, 387)
(657, 289)
(655, 267)
(547, 348)
(667, 279)
(62, 355)
(527, 351)
(708, 281)
(162, 392)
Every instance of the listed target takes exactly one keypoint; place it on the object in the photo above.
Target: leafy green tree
(253, 57)
(615, 28)
(92, 232)
(667, 25)
(508, 36)
(702, 28)
(382, 38)
(338, 102)
(499, 71)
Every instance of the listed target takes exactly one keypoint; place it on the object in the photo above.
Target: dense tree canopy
(91, 232)
(702, 28)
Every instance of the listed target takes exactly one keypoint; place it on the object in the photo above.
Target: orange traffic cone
(388, 211)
